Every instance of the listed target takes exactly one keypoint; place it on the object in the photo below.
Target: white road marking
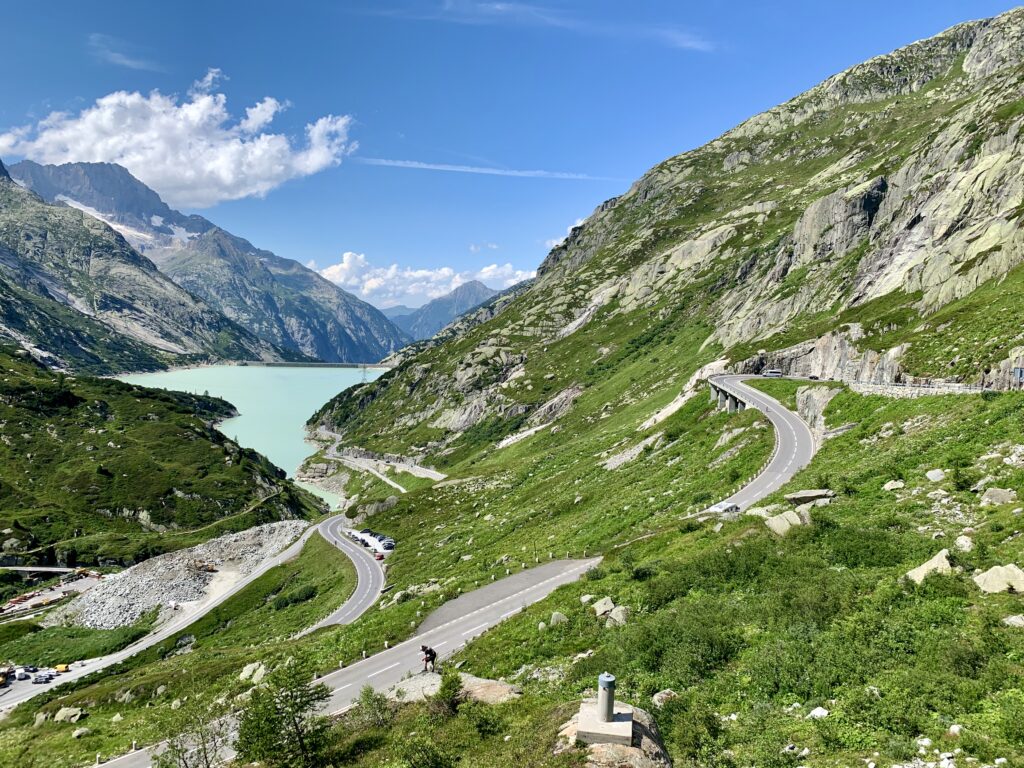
(381, 671)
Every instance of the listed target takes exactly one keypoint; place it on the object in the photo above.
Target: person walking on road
(429, 657)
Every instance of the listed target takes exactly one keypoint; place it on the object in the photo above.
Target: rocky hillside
(76, 293)
(277, 299)
(867, 230)
(96, 471)
(424, 322)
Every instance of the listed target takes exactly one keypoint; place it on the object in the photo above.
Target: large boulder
(420, 687)
(813, 494)
(557, 617)
(663, 697)
(893, 485)
(1000, 578)
(964, 543)
(249, 671)
(781, 524)
(938, 564)
(646, 750)
(603, 607)
(936, 475)
(69, 715)
(618, 616)
(994, 497)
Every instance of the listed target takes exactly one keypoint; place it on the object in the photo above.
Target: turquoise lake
(273, 403)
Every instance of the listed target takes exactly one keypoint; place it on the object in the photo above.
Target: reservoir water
(273, 403)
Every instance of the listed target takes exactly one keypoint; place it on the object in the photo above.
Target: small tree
(373, 710)
(280, 727)
(202, 734)
(449, 695)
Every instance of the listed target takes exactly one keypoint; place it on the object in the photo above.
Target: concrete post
(714, 393)
(723, 398)
(605, 697)
(731, 404)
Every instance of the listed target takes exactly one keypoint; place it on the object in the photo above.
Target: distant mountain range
(76, 294)
(426, 321)
(274, 298)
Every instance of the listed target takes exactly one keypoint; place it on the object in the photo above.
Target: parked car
(723, 508)
(378, 556)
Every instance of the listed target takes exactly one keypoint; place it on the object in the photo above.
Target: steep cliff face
(277, 299)
(868, 228)
(77, 293)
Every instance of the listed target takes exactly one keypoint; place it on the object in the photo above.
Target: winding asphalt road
(459, 621)
(369, 577)
(794, 443)
(446, 630)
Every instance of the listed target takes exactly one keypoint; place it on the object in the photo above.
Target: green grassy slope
(93, 470)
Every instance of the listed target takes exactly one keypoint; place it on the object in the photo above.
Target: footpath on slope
(364, 461)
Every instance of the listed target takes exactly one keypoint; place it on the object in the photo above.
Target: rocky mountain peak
(277, 299)
(3, 171)
(426, 321)
(111, 193)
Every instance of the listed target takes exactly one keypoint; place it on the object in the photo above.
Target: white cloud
(557, 241)
(477, 247)
(452, 168)
(111, 50)
(207, 82)
(260, 115)
(193, 152)
(473, 12)
(387, 286)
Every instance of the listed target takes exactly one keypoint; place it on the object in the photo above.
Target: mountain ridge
(424, 322)
(818, 231)
(78, 295)
(275, 298)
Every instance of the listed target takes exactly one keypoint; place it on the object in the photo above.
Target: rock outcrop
(939, 564)
(647, 749)
(480, 689)
(1001, 578)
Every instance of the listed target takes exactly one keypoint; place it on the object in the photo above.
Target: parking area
(34, 602)
(380, 544)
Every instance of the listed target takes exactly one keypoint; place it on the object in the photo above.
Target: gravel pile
(177, 577)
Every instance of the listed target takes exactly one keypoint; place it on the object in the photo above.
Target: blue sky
(453, 139)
